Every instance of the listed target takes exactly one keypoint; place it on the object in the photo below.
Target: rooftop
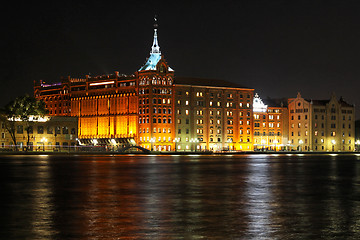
(206, 82)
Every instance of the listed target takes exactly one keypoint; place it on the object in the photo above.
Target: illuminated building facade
(144, 108)
(210, 117)
(270, 125)
(321, 125)
(159, 112)
(46, 134)
(116, 109)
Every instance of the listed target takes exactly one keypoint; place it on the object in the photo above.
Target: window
(57, 130)
(50, 130)
(40, 129)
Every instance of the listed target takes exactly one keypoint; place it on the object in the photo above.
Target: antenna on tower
(155, 21)
(155, 47)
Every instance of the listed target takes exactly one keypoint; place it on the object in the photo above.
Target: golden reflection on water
(187, 197)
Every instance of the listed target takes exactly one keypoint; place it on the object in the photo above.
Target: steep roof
(318, 102)
(206, 82)
(155, 54)
(151, 62)
(345, 104)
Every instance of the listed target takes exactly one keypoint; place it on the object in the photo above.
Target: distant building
(321, 125)
(158, 111)
(46, 134)
(154, 109)
(270, 125)
(213, 115)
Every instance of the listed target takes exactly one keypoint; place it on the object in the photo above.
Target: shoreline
(174, 153)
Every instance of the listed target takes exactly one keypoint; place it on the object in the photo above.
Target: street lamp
(230, 140)
(275, 142)
(43, 140)
(357, 143)
(301, 142)
(152, 140)
(176, 140)
(194, 140)
(289, 144)
(263, 142)
(333, 142)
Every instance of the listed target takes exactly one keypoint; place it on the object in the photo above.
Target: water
(180, 197)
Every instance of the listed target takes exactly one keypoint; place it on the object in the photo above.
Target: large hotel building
(158, 111)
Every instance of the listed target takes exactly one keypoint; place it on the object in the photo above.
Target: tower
(156, 101)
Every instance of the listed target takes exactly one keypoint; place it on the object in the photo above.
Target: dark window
(19, 129)
(40, 129)
(73, 131)
(57, 130)
(50, 130)
(65, 130)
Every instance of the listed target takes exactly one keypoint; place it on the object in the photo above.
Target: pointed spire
(155, 47)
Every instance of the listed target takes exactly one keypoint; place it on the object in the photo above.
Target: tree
(23, 109)
(9, 126)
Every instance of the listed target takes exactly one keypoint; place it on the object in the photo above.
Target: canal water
(180, 197)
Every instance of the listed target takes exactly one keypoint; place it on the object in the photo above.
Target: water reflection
(185, 197)
(259, 199)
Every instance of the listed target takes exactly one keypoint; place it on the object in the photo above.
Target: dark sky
(277, 47)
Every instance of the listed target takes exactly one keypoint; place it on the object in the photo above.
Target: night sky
(277, 47)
